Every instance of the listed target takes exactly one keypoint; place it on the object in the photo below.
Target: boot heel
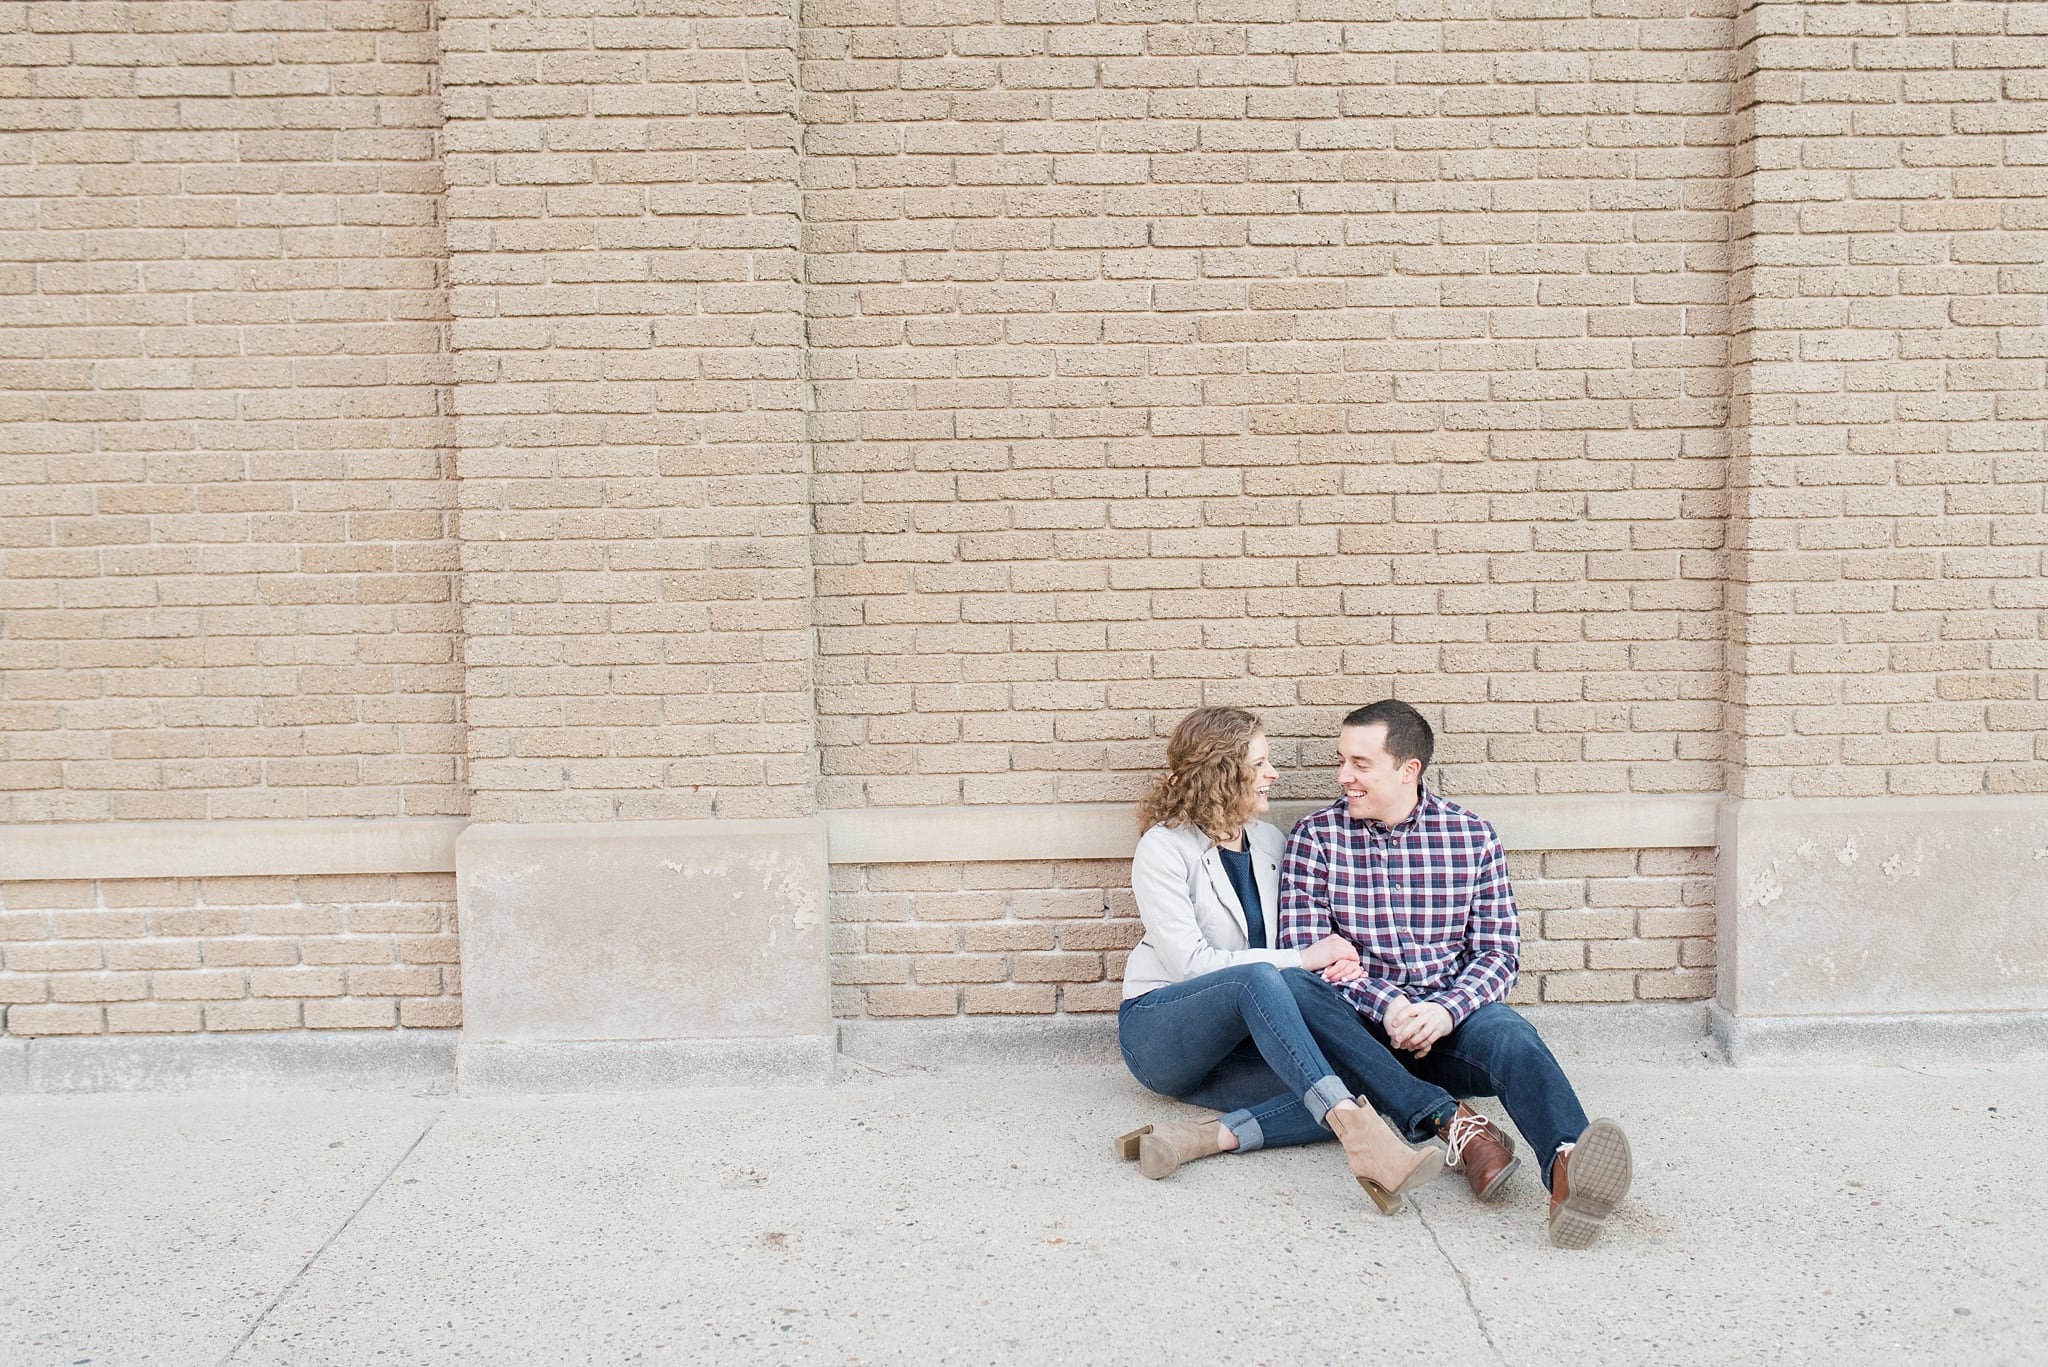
(1127, 1144)
(1389, 1202)
(1426, 1170)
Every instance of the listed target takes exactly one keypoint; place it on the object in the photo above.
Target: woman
(1211, 1012)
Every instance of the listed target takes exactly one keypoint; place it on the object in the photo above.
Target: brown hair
(1207, 782)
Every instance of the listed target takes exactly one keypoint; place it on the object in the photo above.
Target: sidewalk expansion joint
(339, 1230)
(1478, 1318)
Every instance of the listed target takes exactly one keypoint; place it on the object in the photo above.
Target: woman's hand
(1328, 952)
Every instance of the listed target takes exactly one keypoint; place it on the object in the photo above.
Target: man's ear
(1416, 776)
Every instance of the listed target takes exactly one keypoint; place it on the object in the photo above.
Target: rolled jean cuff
(1327, 1092)
(1245, 1126)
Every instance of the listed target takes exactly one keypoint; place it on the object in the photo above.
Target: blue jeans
(1495, 1052)
(1234, 1039)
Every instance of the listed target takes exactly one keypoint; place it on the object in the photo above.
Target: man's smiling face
(1376, 786)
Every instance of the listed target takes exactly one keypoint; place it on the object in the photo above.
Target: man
(1420, 885)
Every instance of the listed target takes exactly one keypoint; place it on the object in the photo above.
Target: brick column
(1886, 657)
(634, 515)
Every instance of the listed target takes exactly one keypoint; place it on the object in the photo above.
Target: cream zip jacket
(1193, 922)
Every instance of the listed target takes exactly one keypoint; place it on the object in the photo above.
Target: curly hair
(1207, 782)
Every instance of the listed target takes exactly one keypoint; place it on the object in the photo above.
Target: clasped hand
(1415, 1026)
(1335, 958)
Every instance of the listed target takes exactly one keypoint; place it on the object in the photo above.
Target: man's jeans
(1235, 1040)
(1495, 1052)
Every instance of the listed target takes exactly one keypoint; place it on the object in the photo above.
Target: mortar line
(1463, 1285)
(285, 1290)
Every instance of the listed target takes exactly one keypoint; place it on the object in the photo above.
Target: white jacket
(1193, 923)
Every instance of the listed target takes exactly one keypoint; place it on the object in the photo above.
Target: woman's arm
(1163, 881)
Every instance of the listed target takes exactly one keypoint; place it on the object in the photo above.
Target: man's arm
(1304, 891)
(1493, 940)
(1306, 916)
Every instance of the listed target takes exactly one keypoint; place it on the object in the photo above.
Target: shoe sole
(1157, 1158)
(1598, 1172)
(1127, 1145)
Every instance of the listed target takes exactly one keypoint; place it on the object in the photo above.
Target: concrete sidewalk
(1795, 1215)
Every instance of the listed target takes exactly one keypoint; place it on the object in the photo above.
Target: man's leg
(1496, 1052)
(1416, 1107)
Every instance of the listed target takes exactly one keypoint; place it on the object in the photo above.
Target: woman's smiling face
(1258, 760)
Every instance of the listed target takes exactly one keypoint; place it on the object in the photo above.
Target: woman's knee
(1261, 977)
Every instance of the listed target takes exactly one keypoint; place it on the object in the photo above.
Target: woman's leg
(1255, 1103)
(1174, 1037)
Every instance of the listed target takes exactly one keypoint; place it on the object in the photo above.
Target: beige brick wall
(225, 556)
(1891, 268)
(925, 403)
(171, 956)
(622, 231)
(1283, 355)
(1044, 938)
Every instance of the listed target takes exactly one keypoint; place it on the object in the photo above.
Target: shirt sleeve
(1304, 890)
(1306, 916)
(1493, 940)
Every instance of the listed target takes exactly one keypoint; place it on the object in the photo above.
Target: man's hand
(1415, 1026)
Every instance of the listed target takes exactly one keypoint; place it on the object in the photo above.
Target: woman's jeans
(1235, 1040)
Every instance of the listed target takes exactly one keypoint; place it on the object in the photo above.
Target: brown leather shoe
(1482, 1148)
(1587, 1181)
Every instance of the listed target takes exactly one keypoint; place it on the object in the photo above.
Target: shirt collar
(1425, 800)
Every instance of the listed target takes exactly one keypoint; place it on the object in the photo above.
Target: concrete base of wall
(1883, 907)
(1659, 1032)
(1991, 1037)
(496, 1068)
(680, 952)
(418, 1061)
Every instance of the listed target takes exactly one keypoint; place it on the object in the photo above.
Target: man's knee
(1502, 1032)
(1308, 988)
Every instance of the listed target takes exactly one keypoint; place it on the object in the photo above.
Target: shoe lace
(1463, 1131)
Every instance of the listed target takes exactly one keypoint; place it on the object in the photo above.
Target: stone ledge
(1108, 830)
(229, 849)
(419, 1061)
(1954, 1038)
(876, 835)
(501, 1068)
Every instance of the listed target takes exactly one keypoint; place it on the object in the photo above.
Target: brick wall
(622, 232)
(1051, 937)
(172, 956)
(225, 558)
(1889, 520)
(1283, 355)
(925, 403)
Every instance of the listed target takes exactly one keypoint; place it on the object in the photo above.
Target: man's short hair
(1408, 733)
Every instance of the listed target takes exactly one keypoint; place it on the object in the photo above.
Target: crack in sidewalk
(1465, 1286)
(361, 1205)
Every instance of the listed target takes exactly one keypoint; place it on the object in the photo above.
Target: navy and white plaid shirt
(1427, 902)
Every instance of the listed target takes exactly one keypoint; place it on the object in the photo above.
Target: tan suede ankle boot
(1385, 1164)
(1162, 1148)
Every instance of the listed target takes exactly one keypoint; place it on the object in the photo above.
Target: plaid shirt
(1426, 901)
